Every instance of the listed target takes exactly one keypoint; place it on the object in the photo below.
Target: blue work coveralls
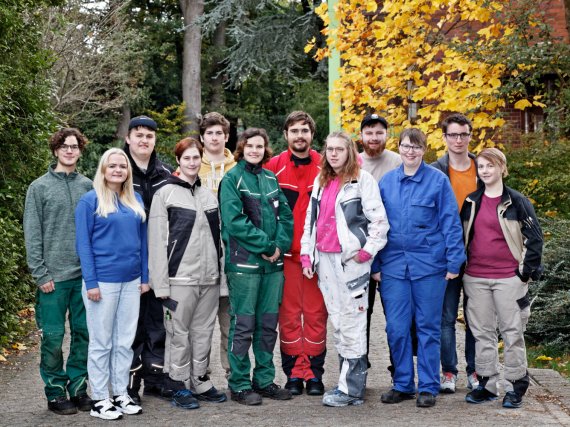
(424, 243)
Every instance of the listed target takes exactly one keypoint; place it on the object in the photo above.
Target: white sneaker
(125, 404)
(472, 381)
(448, 381)
(105, 410)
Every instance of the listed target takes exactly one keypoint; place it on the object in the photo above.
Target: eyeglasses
(404, 148)
(463, 136)
(338, 150)
(65, 148)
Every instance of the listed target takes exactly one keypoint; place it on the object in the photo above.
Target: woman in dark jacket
(504, 250)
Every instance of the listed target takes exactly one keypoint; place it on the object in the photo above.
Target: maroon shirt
(489, 255)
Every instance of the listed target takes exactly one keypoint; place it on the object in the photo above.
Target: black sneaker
(425, 400)
(273, 391)
(134, 394)
(480, 395)
(185, 399)
(512, 400)
(246, 397)
(62, 405)
(395, 396)
(295, 386)
(82, 402)
(212, 395)
(158, 391)
(315, 387)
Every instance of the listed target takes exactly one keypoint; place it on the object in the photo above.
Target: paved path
(547, 404)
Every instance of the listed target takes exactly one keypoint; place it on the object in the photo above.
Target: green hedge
(541, 171)
(16, 285)
(549, 323)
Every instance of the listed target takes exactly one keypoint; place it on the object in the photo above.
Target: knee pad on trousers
(269, 331)
(243, 331)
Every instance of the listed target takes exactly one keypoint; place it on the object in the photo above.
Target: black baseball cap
(145, 121)
(370, 119)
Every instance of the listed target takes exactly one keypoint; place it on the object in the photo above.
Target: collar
(173, 179)
(417, 177)
(300, 161)
(255, 169)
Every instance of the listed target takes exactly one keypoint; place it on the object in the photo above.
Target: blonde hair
(107, 199)
(351, 168)
(496, 157)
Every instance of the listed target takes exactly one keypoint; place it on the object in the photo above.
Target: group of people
(145, 257)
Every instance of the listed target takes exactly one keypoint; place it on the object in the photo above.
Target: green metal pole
(334, 68)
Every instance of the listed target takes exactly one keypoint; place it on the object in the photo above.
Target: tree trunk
(123, 126)
(191, 85)
(219, 42)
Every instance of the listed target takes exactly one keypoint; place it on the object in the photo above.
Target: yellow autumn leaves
(403, 58)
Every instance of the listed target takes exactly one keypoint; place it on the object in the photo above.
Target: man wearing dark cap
(149, 174)
(377, 161)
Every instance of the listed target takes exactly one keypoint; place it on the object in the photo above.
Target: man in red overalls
(302, 315)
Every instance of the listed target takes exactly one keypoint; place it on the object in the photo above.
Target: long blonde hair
(106, 198)
(351, 168)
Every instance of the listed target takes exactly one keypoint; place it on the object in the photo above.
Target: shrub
(16, 284)
(539, 170)
(549, 323)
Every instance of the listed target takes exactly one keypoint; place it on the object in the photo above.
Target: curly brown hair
(58, 138)
(250, 133)
(351, 168)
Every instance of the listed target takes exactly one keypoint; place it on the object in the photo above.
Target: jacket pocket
(238, 254)
(423, 213)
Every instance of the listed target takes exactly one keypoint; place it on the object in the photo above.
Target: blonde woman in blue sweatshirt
(111, 241)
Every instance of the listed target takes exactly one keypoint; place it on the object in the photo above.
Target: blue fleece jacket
(112, 249)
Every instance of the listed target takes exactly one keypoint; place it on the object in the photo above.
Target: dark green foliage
(539, 170)
(25, 123)
(16, 290)
(549, 322)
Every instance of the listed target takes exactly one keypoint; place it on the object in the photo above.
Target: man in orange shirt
(459, 165)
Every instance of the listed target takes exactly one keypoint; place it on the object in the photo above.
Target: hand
(376, 276)
(308, 272)
(48, 287)
(356, 259)
(94, 294)
(144, 287)
(450, 276)
(273, 257)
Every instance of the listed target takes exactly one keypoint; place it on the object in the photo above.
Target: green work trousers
(51, 310)
(254, 310)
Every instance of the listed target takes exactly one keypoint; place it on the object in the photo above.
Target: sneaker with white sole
(125, 404)
(448, 381)
(472, 381)
(338, 398)
(105, 410)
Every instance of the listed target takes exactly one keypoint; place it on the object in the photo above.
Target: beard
(296, 149)
(373, 152)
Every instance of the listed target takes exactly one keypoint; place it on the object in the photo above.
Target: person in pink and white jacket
(345, 227)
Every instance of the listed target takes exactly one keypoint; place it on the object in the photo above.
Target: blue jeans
(421, 299)
(448, 321)
(112, 324)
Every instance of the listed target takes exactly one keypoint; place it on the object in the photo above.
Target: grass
(547, 357)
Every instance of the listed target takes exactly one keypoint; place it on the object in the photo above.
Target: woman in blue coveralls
(424, 250)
